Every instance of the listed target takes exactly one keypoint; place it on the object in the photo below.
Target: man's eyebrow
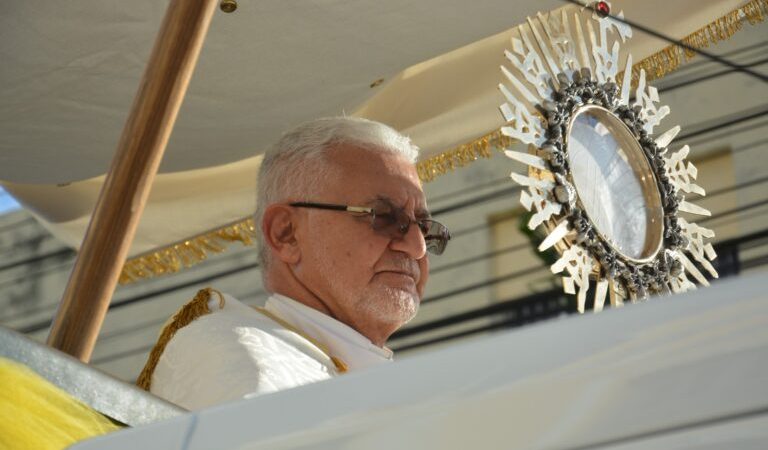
(422, 213)
(419, 213)
(381, 199)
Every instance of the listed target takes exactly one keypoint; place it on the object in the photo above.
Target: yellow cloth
(35, 414)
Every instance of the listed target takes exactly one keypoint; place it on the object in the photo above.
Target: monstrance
(600, 181)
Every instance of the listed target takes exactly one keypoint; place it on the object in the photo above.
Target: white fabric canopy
(70, 75)
(71, 69)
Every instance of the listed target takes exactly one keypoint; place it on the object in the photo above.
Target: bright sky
(7, 203)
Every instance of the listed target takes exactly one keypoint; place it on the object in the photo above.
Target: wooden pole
(122, 199)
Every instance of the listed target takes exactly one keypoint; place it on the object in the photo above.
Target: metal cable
(679, 43)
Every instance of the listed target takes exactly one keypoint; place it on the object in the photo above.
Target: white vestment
(238, 352)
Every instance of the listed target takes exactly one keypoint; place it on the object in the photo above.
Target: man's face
(366, 279)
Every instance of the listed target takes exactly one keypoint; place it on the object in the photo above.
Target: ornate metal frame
(552, 79)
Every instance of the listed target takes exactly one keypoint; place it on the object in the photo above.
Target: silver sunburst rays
(604, 188)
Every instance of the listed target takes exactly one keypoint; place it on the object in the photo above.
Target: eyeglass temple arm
(356, 209)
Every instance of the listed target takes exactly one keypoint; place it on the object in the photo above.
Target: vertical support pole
(125, 191)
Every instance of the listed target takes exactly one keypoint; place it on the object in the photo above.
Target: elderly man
(345, 233)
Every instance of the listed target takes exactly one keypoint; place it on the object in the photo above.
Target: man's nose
(411, 243)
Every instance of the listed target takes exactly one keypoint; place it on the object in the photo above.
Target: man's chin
(407, 306)
(396, 306)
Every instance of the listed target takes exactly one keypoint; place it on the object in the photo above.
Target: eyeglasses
(394, 223)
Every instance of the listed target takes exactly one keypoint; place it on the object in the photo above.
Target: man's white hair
(295, 166)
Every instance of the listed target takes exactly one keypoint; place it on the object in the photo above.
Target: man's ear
(279, 227)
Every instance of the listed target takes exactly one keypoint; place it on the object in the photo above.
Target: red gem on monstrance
(602, 9)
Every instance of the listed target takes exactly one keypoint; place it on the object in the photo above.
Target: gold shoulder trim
(183, 317)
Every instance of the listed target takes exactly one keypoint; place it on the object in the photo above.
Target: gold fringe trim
(185, 254)
(670, 58)
(176, 257)
(446, 162)
(183, 317)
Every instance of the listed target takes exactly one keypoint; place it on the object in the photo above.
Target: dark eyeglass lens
(386, 222)
(436, 237)
(396, 223)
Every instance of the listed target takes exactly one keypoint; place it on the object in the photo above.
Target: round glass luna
(615, 184)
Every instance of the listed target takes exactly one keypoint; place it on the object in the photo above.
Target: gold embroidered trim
(194, 250)
(185, 254)
(183, 317)
(448, 161)
(670, 58)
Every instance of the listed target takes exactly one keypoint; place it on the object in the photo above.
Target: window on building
(524, 269)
